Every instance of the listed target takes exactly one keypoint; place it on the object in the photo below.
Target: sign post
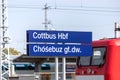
(56, 69)
(64, 68)
(57, 44)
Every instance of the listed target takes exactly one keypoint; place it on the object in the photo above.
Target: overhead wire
(92, 9)
(95, 10)
(99, 7)
(25, 6)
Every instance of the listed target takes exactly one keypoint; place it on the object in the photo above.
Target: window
(84, 61)
(24, 66)
(97, 59)
(45, 67)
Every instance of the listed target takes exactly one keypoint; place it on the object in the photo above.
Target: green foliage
(12, 51)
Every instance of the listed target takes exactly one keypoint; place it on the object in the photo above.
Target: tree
(12, 51)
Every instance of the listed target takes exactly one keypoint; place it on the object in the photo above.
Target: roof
(107, 42)
(41, 59)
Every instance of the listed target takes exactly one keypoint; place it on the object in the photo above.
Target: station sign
(59, 36)
(59, 43)
(58, 50)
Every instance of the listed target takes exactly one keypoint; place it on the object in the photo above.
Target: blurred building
(40, 68)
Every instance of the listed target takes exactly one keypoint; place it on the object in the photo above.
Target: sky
(96, 16)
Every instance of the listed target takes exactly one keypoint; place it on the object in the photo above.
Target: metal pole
(64, 68)
(4, 40)
(0, 40)
(56, 68)
(116, 29)
(46, 20)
